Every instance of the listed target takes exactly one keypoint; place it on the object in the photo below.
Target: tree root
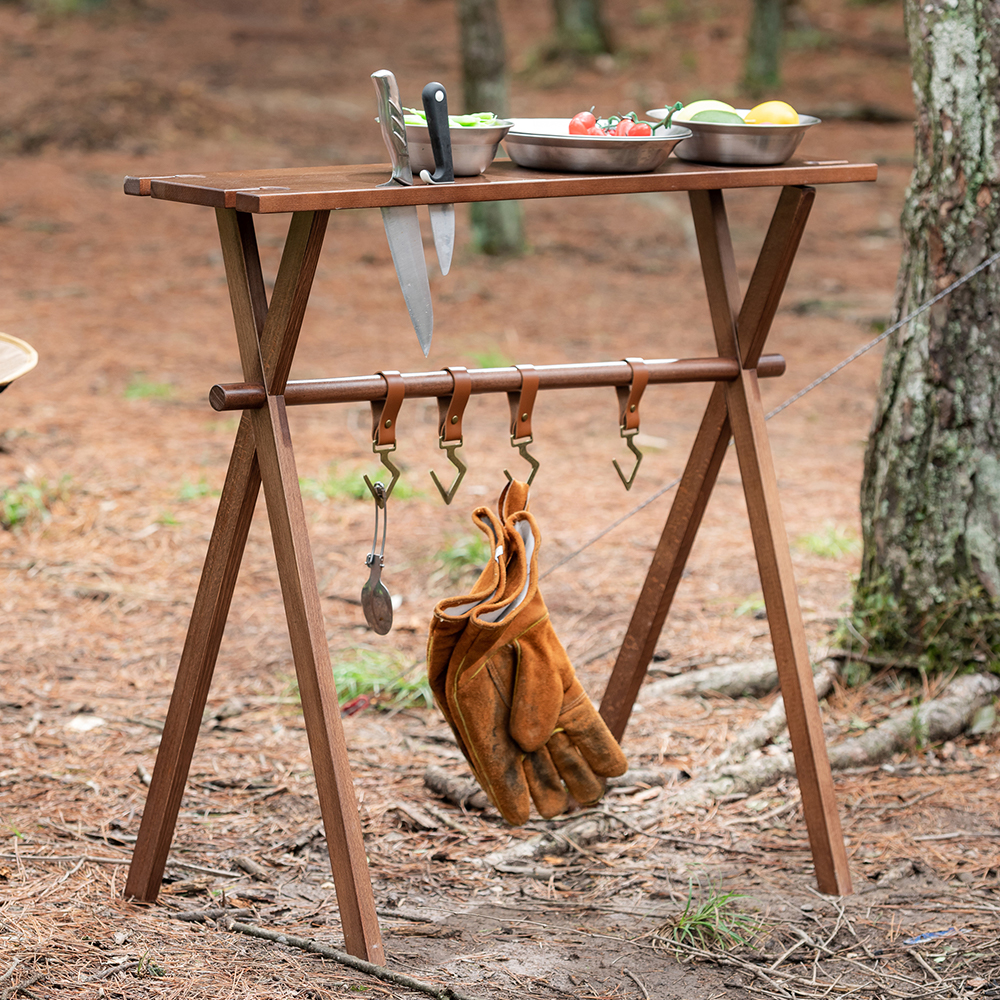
(369, 968)
(735, 680)
(934, 721)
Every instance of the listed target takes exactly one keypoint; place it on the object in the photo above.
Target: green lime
(718, 117)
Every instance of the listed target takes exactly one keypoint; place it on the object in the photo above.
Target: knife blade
(435, 99)
(402, 227)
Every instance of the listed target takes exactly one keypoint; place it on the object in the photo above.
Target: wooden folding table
(267, 333)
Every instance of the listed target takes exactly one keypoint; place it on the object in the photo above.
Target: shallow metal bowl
(740, 145)
(545, 144)
(473, 147)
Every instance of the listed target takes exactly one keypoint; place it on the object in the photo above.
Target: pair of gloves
(506, 686)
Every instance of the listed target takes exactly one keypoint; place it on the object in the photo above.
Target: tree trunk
(497, 226)
(762, 69)
(930, 498)
(580, 29)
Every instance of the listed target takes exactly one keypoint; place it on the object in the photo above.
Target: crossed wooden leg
(741, 330)
(263, 453)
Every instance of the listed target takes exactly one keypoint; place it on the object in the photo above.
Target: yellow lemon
(690, 110)
(772, 113)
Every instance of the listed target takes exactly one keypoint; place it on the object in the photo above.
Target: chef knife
(435, 100)
(402, 228)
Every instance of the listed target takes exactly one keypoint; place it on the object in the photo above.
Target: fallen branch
(735, 680)
(932, 722)
(774, 721)
(463, 792)
(369, 968)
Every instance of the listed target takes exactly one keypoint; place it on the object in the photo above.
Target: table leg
(314, 671)
(197, 664)
(739, 403)
(805, 727)
(755, 317)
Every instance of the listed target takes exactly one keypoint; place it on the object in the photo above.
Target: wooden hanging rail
(364, 388)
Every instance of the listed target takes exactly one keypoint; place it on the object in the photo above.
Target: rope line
(791, 399)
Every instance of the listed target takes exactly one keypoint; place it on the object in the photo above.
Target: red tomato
(596, 130)
(581, 123)
(639, 128)
(622, 127)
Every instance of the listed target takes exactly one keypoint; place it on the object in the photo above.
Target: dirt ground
(115, 459)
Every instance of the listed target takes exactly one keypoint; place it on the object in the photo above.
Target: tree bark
(930, 497)
(762, 68)
(497, 226)
(580, 28)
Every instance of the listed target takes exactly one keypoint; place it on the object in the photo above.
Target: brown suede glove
(451, 615)
(524, 722)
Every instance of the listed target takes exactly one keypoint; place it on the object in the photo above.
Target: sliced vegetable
(414, 116)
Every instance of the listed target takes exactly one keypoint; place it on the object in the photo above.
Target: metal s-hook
(384, 414)
(522, 403)
(450, 410)
(628, 405)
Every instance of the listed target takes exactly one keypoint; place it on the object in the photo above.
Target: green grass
(361, 670)
(30, 500)
(492, 358)
(462, 557)
(139, 387)
(196, 491)
(711, 922)
(830, 542)
(750, 607)
(350, 485)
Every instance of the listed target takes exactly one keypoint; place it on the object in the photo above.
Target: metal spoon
(376, 601)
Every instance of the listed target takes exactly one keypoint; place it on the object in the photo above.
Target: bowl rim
(674, 133)
(497, 123)
(804, 121)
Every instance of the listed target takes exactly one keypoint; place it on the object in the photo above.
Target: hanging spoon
(375, 599)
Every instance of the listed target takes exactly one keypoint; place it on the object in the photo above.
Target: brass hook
(384, 413)
(450, 410)
(628, 404)
(630, 441)
(379, 490)
(447, 495)
(522, 447)
(522, 403)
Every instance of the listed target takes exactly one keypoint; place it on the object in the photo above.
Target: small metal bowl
(740, 145)
(545, 144)
(473, 147)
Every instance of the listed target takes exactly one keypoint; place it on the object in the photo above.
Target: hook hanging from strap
(628, 405)
(450, 410)
(522, 403)
(384, 414)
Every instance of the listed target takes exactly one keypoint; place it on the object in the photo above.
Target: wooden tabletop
(298, 189)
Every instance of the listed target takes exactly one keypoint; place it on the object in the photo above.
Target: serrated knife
(435, 99)
(402, 228)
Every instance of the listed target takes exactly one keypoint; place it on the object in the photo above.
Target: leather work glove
(452, 614)
(522, 718)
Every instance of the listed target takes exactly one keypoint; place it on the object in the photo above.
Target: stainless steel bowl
(472, 148)
(740, 145)
(545, 144)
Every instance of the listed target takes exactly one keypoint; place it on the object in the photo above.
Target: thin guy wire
(788, 402)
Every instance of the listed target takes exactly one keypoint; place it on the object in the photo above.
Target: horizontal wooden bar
(298, 189)
(364, 388)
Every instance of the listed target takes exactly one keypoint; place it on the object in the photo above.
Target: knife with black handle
(402, 228)
(435, 100)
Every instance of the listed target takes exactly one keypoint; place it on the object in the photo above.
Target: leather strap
(629, 395)
(451, 408)
(385, 411)
(522, 403)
